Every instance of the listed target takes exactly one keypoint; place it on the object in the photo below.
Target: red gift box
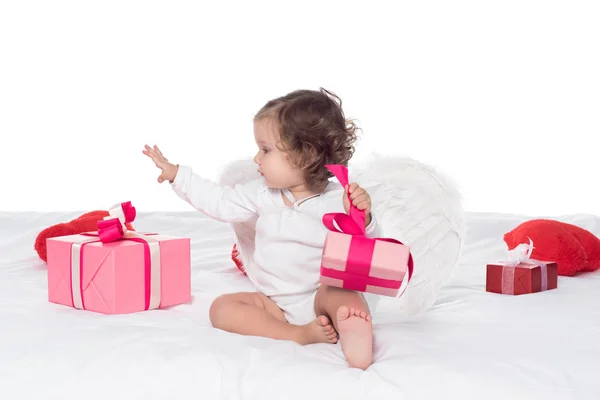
(521, 275)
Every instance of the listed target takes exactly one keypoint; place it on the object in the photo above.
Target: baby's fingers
(151, 154)
(160, 154)
(364, 197)
(162, 178)
(358, 191)
(147, 153)
(148, 149)
(157, 160)
(364, 206)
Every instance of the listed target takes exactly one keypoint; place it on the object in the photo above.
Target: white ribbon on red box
(521, 255)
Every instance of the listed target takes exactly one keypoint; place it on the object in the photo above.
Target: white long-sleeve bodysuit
(289, 240)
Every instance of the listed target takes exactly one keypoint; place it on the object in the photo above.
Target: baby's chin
(273, 185)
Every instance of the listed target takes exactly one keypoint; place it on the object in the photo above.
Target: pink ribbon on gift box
(111, 229)
(356, 276)
(521, 255)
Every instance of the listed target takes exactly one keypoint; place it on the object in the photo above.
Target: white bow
(516, 256)
(521, 253)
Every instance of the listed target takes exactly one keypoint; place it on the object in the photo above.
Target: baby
(297, 135)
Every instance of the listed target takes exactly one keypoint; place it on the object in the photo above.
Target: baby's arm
(223, 203)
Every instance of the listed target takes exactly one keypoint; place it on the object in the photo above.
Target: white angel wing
(421, 208)
(242, 171)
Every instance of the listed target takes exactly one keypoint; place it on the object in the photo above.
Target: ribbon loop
(353, 224)
(113, 227)
(345, 224)
(110, 230)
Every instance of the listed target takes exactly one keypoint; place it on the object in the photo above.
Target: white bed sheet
(471, 345)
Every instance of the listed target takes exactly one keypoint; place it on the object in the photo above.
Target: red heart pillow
(591, 244)
(84, 223)
(574, 249)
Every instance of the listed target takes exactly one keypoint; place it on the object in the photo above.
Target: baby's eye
(265, 150)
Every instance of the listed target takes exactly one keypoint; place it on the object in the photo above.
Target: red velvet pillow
(590, 243)
(574, 249)
(84, 223)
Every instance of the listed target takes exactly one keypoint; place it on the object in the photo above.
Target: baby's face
(273, 164)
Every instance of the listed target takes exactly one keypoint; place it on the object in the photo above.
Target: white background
(502, 96)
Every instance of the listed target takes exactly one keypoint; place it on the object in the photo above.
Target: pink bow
(112, 228)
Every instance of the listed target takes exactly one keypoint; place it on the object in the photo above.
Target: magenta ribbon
(112, 230)
(358, 265)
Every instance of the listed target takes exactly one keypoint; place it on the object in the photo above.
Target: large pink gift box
(117, 272)
(352, 261)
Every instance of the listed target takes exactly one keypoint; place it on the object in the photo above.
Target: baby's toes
(343, 313)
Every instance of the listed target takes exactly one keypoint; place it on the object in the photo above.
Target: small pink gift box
(367, 265)
(118, 274)
(355, 262)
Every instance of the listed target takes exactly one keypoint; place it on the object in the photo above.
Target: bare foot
(356, 336)
(318, 331)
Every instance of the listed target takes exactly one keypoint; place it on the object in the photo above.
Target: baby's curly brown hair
(313, 131)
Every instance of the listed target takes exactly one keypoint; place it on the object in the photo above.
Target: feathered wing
(421, 208)
(239, 172)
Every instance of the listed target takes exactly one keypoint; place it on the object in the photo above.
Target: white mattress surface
(470, 345)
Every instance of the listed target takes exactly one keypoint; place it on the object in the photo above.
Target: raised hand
(360, 199)
(169, 171)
